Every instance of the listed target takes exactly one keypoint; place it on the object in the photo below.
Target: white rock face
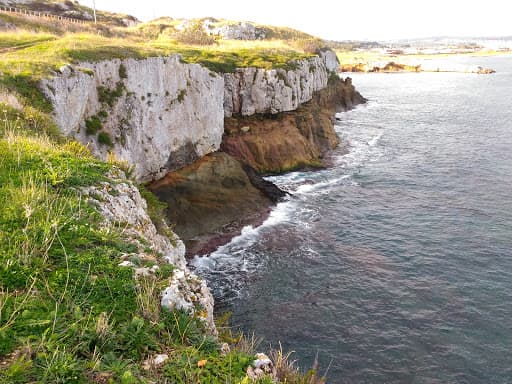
(330, 59)
(122, 207)
(159, 113)
(238, 31)
(250, 90)
(187, 292)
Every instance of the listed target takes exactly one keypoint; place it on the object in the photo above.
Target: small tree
(194, 34)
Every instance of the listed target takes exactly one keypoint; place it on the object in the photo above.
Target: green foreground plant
(68, 312)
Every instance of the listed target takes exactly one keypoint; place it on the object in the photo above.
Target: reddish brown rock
(290, 140)
(210, 201)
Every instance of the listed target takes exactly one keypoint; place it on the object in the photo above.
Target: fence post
(28, 12)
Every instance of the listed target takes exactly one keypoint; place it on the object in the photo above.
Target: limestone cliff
(294, 139)
(157, 114)
(160, 114)
(252, 90)
(165, 117)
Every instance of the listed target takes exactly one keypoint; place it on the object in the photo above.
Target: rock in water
(211, 200)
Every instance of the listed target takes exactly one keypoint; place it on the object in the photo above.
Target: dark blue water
(395, 265)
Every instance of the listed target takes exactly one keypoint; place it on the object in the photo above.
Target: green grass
(36, 56)
(23, 39)
(68, 312)
(52, 7)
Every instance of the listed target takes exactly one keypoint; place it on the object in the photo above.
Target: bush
(108, 96)
(122, 72)
(102, 114)
(194, 34)
(104, 138)
(93, 125)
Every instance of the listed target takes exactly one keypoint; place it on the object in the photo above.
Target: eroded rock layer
(289, 140)
(210, 201)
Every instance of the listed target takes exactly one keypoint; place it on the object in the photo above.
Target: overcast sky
(340, 19)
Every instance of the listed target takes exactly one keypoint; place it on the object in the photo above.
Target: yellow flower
(201, 363)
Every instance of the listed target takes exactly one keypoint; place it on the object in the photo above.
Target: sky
(339, 19)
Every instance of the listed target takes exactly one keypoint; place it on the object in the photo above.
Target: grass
(23, 39)
(68, 312)
(26, 57)
(54, 7)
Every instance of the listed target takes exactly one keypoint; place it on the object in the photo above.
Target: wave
(375, 140)
(362, 149)
(248, 236)
(233, 264)
(308, 188)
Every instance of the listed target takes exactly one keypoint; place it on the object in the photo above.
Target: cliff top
(33, 47)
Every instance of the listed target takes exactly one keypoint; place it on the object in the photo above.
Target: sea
(393, 265)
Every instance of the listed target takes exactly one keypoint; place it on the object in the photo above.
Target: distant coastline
(392, 67)
(393, 61)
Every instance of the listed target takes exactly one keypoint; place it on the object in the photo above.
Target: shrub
(110, 96)
(194, 34)
(102, 114)
(122, 72)
(181, 95)
(138, 340)
(93, 125)
(105, 139)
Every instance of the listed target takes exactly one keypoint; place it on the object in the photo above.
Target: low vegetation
(39, 47)
(72, 8)
(68, 312)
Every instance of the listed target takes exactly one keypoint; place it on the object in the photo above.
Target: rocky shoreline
(393, 67)
(212, 200)
(201, 142)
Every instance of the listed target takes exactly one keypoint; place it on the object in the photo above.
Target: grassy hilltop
(37, 47)
(68, 312)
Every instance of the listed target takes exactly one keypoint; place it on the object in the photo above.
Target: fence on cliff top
(41, 15)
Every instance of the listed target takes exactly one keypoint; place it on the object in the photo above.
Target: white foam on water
(230, 252)
(374, 141)
(362, 148)
(309, 188)
(231, 265)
